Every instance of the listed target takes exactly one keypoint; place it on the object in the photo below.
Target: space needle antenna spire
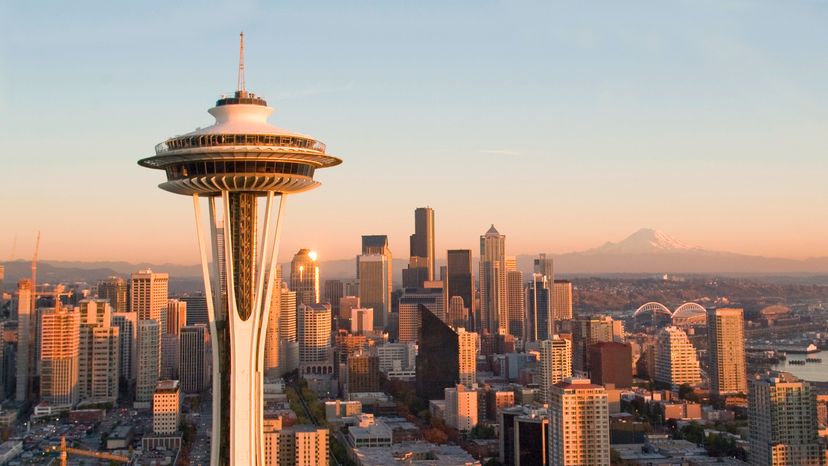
(240, 86)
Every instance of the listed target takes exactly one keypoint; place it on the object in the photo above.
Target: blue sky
(566, 124)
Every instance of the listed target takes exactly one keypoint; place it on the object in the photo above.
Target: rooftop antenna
(240, 86)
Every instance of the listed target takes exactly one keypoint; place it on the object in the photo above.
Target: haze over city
(565, 125)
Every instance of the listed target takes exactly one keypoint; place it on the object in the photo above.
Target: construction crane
(65, 451)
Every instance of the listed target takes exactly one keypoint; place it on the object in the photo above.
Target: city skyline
(605, 117)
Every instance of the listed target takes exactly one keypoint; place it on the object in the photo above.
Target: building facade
(726, 348)
(578, 424)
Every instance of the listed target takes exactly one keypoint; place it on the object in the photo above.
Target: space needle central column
(235, 163)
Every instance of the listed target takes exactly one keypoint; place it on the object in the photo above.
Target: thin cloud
(313, 91)
(505, 152)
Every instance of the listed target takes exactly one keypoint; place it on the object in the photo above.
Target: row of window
(210, 140)
(232, 167)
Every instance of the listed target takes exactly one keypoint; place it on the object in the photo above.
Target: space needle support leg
(211, 315)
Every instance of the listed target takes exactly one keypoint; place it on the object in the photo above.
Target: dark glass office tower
(460, 281)
(438, 357)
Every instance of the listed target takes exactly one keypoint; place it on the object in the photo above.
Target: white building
(555, 364)
(676, 362)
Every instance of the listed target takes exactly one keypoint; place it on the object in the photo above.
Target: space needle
(234, 163)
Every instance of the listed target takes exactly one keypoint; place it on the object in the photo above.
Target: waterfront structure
(304, 277)
(555, 364)
(166, 407)
(782, 422)
(578, 424)
(59, 357)
(460, 285)
(421, 263)
(148, 360)
(493, 310)
(610, 362)
(240, 158)
(538, 323)
(726, 348)
(127, 323)
(375, 273)
(114, 289)
(461, 407)
(676, 363)
(562, 301)
(192, 355)
(25, 340)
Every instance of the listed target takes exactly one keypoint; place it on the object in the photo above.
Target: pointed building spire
(240, 86)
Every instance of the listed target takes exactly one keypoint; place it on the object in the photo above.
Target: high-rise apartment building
(610, 362)
(515, 303)
(148, 296)
(460, 284)
(127, 324)
(25, 340)
(114, 289)
(192, 355)
(375, 273)
(148, 360)
(578, 424)
(59, 354)
(493, 308)
(297, 445)
(315, 354)
(409, 310)
(538, 323)
(676, 363)
(562, 301)
(99, 353)
(467, 344)
(555, 364)
(782, 422)
(304, 277)
(461, 407)
(166, 407)
(726, 348)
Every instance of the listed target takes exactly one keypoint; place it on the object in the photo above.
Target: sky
(566, 124)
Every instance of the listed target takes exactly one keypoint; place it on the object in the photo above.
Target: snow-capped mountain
(645, 241)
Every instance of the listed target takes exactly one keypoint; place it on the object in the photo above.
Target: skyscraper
(421, 264)
(591, 330)
(332, 292)
(114, 289)
(25, 339)
(304, 277)
(676, 362)
(610, 362)
(515, 303)
(409, 310)
(148, 361)
(288, 333)
(782, 422)
(460, 284)
(555, 364)
(375, 269)
(59, 353)
(176, 316)
(726, 347)
(562, 302)
(438, 365)
(148, 295)
(192, 355)
(493, 282)
(538, 324)
(457, 314)
(467, 348)
(99, 353)
(239, 158)
(315, 339)
(127, 323)
(578, 424)
(362, 320)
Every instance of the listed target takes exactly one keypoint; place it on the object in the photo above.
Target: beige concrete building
(297, 445)
(315, 354)
(726, 347)
(676, 362)
(148, 295)
(515, 301)
(148, 361)
(166, 407)
(782, 420)
(467, 356)
(375, 273)
(578, 424)
(59, 357)
(555, 364)
(99, 353)
(461, 407)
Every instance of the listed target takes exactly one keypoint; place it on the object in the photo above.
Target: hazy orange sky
(566, 126)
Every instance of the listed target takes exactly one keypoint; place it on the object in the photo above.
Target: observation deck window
(237, 167)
